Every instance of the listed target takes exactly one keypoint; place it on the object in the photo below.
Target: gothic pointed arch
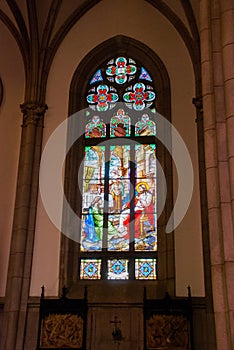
(86, 72)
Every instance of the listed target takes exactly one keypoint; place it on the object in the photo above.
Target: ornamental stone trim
(32, 112)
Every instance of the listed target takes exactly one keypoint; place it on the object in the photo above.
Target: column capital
(32, 112)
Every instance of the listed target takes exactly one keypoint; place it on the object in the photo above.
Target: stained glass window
(145, 126)
(119, 190)
(95, 128)
(90, 269)
(120, 124)
(145, 269)
(117, 269)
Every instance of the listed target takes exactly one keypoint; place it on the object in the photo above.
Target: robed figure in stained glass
(143, 201)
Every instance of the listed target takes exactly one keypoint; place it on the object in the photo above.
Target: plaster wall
(12, 75)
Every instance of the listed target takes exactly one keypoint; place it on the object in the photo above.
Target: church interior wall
(12, 75)
(79, 42)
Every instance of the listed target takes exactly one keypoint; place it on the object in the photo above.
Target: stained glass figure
(96, 77)
(145, 127)
(95, 128)
(145, 269)
(103, 99)
(117, 269)
(120, 124)
(145, 202)
(139, 96)
(93, 198)
(121, 70)
(144, 75)
(119, 193)
(90, 269)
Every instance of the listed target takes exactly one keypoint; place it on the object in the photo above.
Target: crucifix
(116, 334)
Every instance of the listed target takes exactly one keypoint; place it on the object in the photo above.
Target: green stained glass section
(117, 269)
(145, 269)
(120, 124)
(90, 269)
(95, 128)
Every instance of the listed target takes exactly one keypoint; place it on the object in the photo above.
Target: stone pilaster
(217, 167)
(227, 52)
(209, 324)
(20, 260)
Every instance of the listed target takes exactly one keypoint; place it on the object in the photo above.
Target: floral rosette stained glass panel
(90, 269)
(117, 269)
(139, 96)
(102, 98)
(145, 126)
(121, 70)
(145, 269)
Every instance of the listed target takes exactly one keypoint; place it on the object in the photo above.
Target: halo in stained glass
(144, 75)
(90, 269)
(96, 77)
(145, 269)
(145, 126)
(117, 269)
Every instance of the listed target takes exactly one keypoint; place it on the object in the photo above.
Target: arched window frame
(119, 46)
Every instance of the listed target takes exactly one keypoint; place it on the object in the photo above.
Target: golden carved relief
(167, 332)
(62, 331)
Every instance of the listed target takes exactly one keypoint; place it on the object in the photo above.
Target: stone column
(21, 251)
(227, 36)
(217, 168)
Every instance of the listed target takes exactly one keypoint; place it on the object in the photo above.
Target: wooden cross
(116, 334)
(115, 322)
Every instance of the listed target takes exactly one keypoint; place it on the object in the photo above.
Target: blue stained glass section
(145, 75)
(146, 269)
(90, 269)
(117, 269)
(96, 77)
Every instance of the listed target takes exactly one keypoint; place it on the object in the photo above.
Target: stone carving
(32, 112)
(167, 332)
(62, 331)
